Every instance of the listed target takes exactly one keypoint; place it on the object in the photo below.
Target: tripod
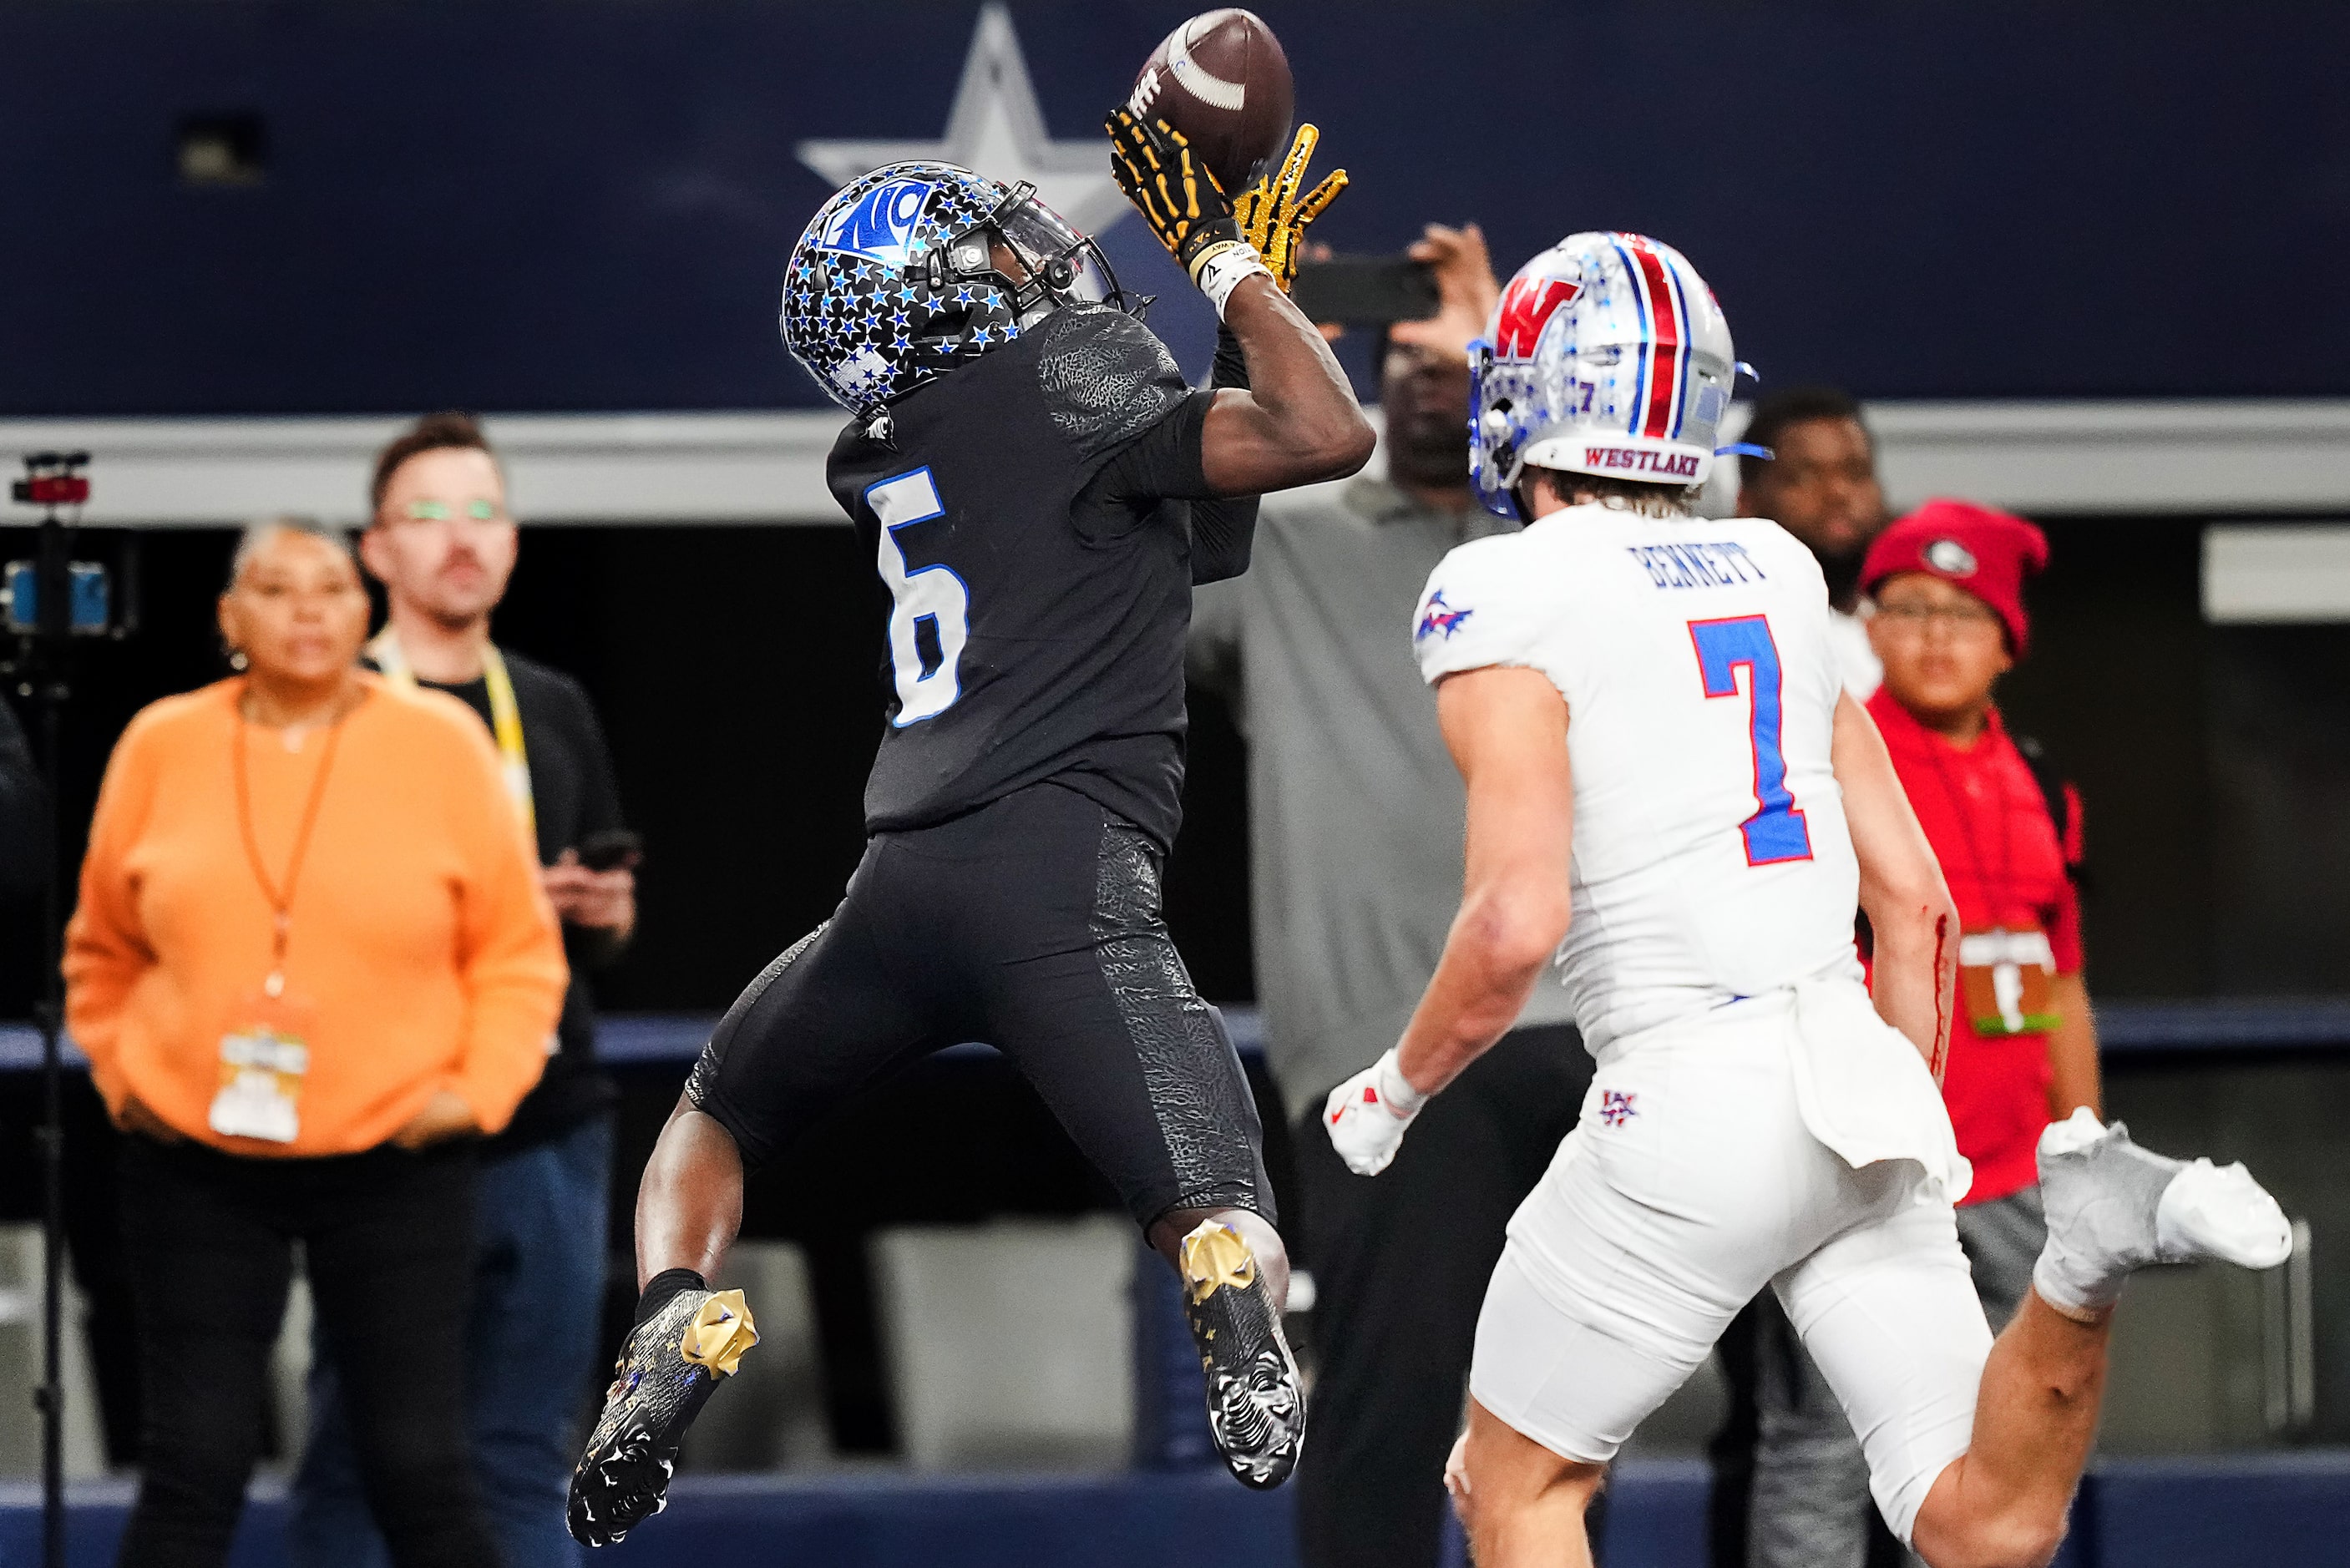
(52, 600)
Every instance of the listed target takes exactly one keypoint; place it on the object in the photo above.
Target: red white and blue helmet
(916, 268)
(1607, 355)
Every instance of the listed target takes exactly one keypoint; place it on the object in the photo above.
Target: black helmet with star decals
(916, 268)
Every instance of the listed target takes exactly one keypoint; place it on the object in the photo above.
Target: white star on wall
(996, 129)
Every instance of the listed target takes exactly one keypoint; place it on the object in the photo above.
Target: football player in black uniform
(1040, 491)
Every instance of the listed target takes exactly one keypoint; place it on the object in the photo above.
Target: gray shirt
(1356, 813)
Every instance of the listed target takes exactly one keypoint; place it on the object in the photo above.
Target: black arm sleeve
(1166, 461)
(1231, 365)
(1162, 463)
(1223, 529)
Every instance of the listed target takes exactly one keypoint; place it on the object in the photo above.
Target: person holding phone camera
(444, 545)
(1355, 817)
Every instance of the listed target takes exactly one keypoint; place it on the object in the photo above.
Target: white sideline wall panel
(560, 467)
(2138, 458)
(2275, 574)
(2094, 458)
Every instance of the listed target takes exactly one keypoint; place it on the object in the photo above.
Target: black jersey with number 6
(1030, 515)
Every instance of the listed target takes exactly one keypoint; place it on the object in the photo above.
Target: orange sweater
(420, 944)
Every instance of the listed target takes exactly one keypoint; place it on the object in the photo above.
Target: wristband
(1395, 1089)
(1219, 269)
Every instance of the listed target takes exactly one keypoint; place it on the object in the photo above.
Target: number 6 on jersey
(1777, 832)
(929, 606)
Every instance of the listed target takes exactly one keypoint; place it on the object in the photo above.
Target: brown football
(1221, 80)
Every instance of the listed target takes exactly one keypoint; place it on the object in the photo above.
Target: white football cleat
(2219, 1212)
(2114, 1208)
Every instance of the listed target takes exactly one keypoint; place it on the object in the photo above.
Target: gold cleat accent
(1214, 1256)
(1256, 1413)
(720, 1333)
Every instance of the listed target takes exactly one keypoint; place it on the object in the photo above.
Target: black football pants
(1031, 924)
(387, 1244)
(1399, 1263)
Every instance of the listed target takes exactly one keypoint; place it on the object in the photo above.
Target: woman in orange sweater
(311, 959)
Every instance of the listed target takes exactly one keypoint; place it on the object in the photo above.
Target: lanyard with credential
(2004, 973)
(505, 718)
(281, 901)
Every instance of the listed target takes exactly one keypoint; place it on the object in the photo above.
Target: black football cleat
(1255, 1410)
(667, 1371)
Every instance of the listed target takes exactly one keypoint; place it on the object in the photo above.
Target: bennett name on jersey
(1672, 797)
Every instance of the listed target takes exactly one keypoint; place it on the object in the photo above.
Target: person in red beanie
(1948, 581)
(1792, 1485)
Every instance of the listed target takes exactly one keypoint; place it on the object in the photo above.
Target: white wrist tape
(1219, 269)
(1401, 1097)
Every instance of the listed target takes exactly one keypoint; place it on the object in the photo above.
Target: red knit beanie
(1987, 553)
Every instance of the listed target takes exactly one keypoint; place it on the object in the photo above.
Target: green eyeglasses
(438, 512)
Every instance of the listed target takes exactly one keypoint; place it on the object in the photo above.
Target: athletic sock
(2100, 1192)
(664, 1288)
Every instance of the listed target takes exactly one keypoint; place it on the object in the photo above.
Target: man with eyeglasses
(1355, 817)
(444, 545)
(1820, 484)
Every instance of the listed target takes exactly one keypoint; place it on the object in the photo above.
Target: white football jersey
(1711, 860)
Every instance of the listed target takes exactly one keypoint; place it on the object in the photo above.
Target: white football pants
(1691, 1182)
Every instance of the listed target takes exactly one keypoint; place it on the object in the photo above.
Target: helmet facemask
(1025, 250)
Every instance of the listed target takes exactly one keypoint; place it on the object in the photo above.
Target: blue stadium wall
(586, 205)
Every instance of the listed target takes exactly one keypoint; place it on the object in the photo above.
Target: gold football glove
(1272, 215)
(1177, 196)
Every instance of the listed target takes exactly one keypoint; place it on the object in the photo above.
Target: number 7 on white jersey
(1777, 832)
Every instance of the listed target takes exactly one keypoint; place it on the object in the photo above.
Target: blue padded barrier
(2288, 1510)
(2224, 1026)
(839, 1520)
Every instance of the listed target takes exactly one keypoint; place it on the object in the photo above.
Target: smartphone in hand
(611, 849)
(1364, 291)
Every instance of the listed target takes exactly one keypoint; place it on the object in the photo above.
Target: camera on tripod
(54, 479)
(89, 611)
(50, 598)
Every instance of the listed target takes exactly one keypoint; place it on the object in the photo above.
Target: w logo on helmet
(1527, 306)
(881, 221)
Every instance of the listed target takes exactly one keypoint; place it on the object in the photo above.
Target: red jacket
(1988, 820)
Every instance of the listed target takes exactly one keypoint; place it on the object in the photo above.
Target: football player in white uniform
(1671, 800)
